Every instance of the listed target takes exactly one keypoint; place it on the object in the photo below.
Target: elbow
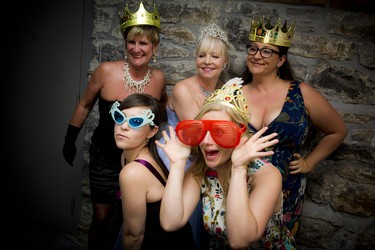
(342, 132)
(240, 244)
(169, 226)
(238, 241)
(237, 245)
(130, 240)
(170, 223)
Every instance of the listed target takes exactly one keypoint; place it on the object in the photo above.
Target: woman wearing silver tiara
(110, 82)
(287, 107)
(188, 95)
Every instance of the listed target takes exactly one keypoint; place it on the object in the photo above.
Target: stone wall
(333, 49)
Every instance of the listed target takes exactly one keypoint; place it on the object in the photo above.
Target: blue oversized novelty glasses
(134, 121)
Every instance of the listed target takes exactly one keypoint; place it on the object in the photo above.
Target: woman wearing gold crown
(110, 82)
(241, 193)
(286, 107)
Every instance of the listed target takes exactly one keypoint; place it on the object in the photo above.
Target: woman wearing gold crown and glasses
(287, 107)
(241, 193)
(110, 82)
(188, 95)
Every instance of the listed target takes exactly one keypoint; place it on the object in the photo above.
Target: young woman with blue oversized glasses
(143, 176)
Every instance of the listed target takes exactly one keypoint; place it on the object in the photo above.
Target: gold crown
(214, 31)
(231, 95)
(141, 17)
(276, 35)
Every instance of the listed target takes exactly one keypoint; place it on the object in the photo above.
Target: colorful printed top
(276, 234)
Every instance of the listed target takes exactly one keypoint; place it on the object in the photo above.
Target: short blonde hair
(149, 31)
(212, 44)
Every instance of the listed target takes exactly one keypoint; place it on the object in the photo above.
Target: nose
(257, 54)
(125, 126)
(136, 47)
(207, 139)
(207, 59)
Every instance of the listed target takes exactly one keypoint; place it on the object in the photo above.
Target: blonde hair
(149, 31)
(199, 168)
(210, 44)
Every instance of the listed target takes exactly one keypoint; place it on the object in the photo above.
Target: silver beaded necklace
(131, 84)
(205, 92)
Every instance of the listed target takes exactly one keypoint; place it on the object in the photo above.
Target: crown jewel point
(141, 17)
(277, 35)
(231, 95)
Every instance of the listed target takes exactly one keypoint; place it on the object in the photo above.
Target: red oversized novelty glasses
(226, 134)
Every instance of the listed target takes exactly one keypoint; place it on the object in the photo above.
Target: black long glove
(69, 149)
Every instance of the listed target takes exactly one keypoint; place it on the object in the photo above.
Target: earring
(225, 66)
(154, 58)
(126, 56)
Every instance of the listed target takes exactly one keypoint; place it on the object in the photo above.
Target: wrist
(180, 162)
(240, 169)
(72, 133)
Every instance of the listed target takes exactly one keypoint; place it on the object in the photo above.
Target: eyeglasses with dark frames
(265, 52)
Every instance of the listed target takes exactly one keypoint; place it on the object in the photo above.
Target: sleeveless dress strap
(152, 170)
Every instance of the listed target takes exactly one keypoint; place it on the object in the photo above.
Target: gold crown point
(141, 17)
(276, 35)
(231, 94)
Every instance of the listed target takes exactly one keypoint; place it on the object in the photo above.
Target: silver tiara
(215, 31)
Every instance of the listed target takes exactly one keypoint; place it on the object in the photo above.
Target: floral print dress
(276, 234)
(291, 125)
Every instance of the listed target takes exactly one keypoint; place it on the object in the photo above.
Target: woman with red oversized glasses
(240, 193)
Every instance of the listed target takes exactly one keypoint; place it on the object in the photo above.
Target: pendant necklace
(131, 84)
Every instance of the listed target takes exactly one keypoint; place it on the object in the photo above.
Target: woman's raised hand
(254, 147)
(173, 148)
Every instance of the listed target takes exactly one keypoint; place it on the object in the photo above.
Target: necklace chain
(204, 91)
(131, 84)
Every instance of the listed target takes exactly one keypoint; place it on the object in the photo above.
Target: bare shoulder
(182, 87)
(106, 69)
(269, 171)
(314, 100)
(182, 97)
(110, 65)
(133, 172)
(157, 72)
(308, 90)
(158, 78)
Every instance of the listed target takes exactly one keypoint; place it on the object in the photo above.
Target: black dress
(155, 237)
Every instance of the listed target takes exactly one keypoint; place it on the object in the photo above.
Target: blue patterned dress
(275, 236)
(292, 128)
